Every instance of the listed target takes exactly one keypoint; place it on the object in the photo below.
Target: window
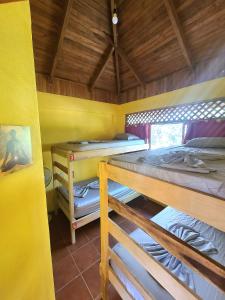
(165, 135)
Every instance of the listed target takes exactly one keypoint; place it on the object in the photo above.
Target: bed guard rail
(211, 270)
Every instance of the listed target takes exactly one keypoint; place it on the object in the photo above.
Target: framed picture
(15, 148)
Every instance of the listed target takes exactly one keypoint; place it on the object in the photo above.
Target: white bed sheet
(100, 144)
(213, 183)
(165, 218)
(91, 202)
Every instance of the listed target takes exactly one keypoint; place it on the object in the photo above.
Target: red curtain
(209, 128)
(140, 130)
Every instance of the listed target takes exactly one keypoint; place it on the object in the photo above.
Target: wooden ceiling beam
(117, 71)
(114, 26)
(115, 41)
(61, 36)
(178, 31)
(102, 67)
(128, 63)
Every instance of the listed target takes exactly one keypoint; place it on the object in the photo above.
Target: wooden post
(53, 182)
(104, 230)
(71, 197)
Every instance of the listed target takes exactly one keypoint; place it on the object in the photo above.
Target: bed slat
(64, 206)
(204, 265)
(130, 276)
(175, 287)
(61, 180)
(204, 207)
(119, 286)
(61, 167)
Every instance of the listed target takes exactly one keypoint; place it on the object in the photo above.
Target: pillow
(207, 142)
(126, 136)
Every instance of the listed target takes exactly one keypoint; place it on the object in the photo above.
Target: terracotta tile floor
(76, 267)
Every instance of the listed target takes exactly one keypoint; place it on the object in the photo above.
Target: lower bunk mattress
(87, 199)
(167, 218)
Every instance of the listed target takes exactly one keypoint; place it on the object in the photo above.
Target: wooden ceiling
(157, 46)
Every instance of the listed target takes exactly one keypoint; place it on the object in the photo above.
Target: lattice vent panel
(214, 109)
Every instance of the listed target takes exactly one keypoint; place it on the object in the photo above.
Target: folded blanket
(173, 264)
(82, 191)
(193, 238)
(191, 161)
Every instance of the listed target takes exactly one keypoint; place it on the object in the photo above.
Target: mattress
(95, 145)
(90, 203)
(165, 218)
(212, 183)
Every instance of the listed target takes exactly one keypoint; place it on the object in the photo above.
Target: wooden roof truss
(163, 41)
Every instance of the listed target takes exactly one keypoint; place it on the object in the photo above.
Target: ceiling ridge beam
(61, 36)
(178, 31)
(115, 40)
(117, 72)
(124, 57)
(102, 67)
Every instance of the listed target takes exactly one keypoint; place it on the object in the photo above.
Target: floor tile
(97, 244)
(112, 241)
(113, 295)
(92, 230)
(76, 290)
(59, 251)
(92, 278)
(81, 239)
(116, 218)
(64, 271)
(128, 226)
(86, 256)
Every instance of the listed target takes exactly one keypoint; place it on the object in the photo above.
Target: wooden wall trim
(72, 89)
(204, 71)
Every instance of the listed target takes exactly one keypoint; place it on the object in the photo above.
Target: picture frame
(15, 148)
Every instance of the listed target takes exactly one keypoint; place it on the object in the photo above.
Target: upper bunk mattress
(95, 145)
(167, 218)
(212, 183)
(90, 202)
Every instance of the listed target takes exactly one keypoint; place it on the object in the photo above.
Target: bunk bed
(83, 209)
(157, 261)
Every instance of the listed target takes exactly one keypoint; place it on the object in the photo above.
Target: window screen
(213, 109)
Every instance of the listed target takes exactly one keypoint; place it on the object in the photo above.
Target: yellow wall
(65, 118)
(25, 262)
(203, 91)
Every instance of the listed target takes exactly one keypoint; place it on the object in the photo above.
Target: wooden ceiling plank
(102, 66)
(115, 40)
(178, 30)
(61, 36)
(128, 63)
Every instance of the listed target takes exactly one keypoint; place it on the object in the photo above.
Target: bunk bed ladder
(70, 164)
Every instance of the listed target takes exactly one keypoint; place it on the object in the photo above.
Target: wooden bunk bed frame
(189, 201)
(63, 158)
